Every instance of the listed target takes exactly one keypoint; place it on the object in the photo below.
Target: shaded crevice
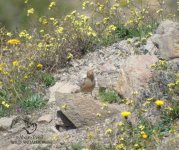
(67, 124)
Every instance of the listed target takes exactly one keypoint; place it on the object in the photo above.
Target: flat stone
(82, 110)
(12, 147)
(5, 123)
(62, 87)
(45, 118)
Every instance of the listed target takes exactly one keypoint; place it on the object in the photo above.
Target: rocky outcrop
(135, 74)
(5, 123)
(165, 42)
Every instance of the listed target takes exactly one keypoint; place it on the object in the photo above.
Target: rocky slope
(124, 66)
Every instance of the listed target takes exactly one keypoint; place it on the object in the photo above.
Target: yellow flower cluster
(125, 114)
(159, 102)
(98, 115)
(108, 131)
(15, 63)
(161, 65)
(5, 104)
(13, 41)
(52, 4)
(39, 66)
(144, 135)
(25, 34)
(85, 4)
(30, 11)
(120, 146)
(90, 135)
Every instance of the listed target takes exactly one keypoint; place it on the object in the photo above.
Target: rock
(78, 111)
(45, 118)
(150, 46)
(107, 67)
(166, 40)
(12, 147)
(135, 74)
(53, 129)
(5, 123)
(123, 45)
(62, 87)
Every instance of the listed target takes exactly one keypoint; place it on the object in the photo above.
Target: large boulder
(78, 111)
(135, 74)
(166, 40)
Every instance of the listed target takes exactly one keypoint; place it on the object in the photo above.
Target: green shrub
(34, 102)
(48, 80)
(76, 146)
(109, 96)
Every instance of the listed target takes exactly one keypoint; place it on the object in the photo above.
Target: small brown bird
(89, 83)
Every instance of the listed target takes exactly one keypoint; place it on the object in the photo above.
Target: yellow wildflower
(104, 106)
(9, 34)
(43, 20)
(3, 102)
(25, 34)
(41, 31)
(39, 66)
(84, 4)
(125, 114)
(98, 115)
(159, 11)
(108, 131)
(60, 30)
(171, 85)
(144, 135)
(146, 103)
(177, 74)
(15, 63)
(52, 4)
(141, 127)
(6, 73)
(65, 106)
(136, 145)
(119, 124)
(69, 56)
(150, 99)
(13, 41)
(55, 137)
(30, 11)
(90, 135)
(135, 93)
(12, 81)
(25, 77)
(7, 105)
(120, 147)
(159, 102)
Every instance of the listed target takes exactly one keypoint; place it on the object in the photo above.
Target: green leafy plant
(124, 32)
(34, 102)
(76, 146)
(109, 96)
(48, 80)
